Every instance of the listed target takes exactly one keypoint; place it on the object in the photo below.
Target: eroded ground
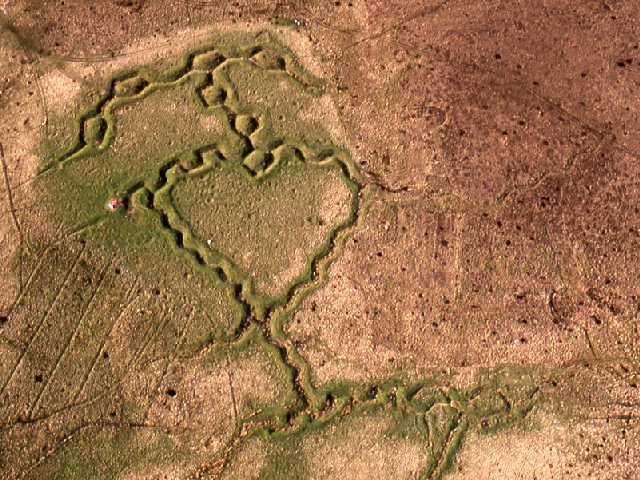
(318, 240)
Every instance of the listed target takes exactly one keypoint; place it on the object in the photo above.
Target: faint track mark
(98, 425)
(35, 406)
(429, 10)
(231, 389)
(170, 360)
(41, 323)
(128, 303)
(150, 336)
(35, 270)
(14, 216)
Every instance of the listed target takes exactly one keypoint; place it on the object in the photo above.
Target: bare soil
(454, 295)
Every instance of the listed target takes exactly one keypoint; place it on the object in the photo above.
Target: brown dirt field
(471, 314)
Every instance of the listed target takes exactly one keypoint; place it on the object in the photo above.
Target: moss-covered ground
(196, 208)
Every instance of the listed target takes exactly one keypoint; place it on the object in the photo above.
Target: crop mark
(95, 124)
(256, 163)
(441, 461)
(289, 357)
(312, 407)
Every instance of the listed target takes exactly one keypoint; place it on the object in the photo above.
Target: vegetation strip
(442, 414)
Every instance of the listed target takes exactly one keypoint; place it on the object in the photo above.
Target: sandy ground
(499, 144)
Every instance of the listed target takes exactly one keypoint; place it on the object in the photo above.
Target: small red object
(115, 204)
